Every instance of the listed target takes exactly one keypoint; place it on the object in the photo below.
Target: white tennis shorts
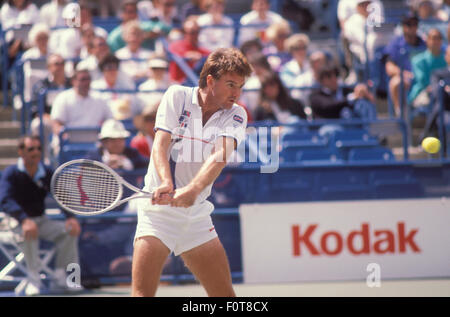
(180, 229)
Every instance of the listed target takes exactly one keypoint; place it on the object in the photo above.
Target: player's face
(227, 89)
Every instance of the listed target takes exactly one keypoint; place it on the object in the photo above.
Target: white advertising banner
(348, 240)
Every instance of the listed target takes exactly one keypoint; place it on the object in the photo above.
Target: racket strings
(86, 188)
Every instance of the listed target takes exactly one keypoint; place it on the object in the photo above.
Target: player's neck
(206, 102)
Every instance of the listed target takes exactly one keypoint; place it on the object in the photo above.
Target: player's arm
(160, 149)
(208, 173)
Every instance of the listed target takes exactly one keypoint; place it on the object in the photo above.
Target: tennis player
(178, 219)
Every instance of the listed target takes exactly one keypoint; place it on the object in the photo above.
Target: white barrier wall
(326, 241)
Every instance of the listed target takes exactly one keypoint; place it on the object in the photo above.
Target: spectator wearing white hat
(159, 80)
(113, 149)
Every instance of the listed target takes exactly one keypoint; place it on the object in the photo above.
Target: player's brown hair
(223, 61)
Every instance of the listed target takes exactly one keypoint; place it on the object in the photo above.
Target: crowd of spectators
(120, 72)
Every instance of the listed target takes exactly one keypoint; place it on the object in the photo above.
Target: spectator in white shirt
(216, 29)
(297, 44)
(18, 12)
(119, 97)
(261, 17)
(360, 32)
(349, 13)
(32, 71)
(159, 80)
(310, 78)
(133, 57)
(87, 39)
(99, 50)
(51, 13)
(15, 13)
(76, 107)
(276, 51)
(67, 42)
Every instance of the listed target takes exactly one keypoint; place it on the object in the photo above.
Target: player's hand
(163, 194)
(184, 197)
(30, 229)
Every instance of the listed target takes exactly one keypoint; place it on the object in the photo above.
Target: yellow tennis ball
(431, 145)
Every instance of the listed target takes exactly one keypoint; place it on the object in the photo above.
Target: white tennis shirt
(180, 114)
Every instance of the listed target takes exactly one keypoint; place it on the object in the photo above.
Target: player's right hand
(163, 194)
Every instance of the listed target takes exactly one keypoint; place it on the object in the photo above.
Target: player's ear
(210, 81)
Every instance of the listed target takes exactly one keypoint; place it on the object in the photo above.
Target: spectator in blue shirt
(23, 189)
(398, 54)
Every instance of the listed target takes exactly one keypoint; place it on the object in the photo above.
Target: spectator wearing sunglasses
(23, 188)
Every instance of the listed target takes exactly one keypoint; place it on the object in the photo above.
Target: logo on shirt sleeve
(182, 120)
(238, 118)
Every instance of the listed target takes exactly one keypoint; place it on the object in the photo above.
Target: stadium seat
(370, 154)
(75, 143)
(308, 155)
(352, 138)
(304, 138)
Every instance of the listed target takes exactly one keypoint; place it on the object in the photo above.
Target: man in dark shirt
(329, 101)
(23, 188)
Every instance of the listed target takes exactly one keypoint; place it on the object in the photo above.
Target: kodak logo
(357, 242)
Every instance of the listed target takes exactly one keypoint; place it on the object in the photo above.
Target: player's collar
(195, 96)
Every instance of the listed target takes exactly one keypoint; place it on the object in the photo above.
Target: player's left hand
(184, 197)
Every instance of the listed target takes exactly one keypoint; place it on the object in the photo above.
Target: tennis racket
(86, 187)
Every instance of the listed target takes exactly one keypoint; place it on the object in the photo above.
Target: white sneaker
(32, 289)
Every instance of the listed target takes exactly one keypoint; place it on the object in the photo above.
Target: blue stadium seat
(75, 151)
(351, 138)
(75, 143)
(308, 155)
(370, 154)
(304, 138)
